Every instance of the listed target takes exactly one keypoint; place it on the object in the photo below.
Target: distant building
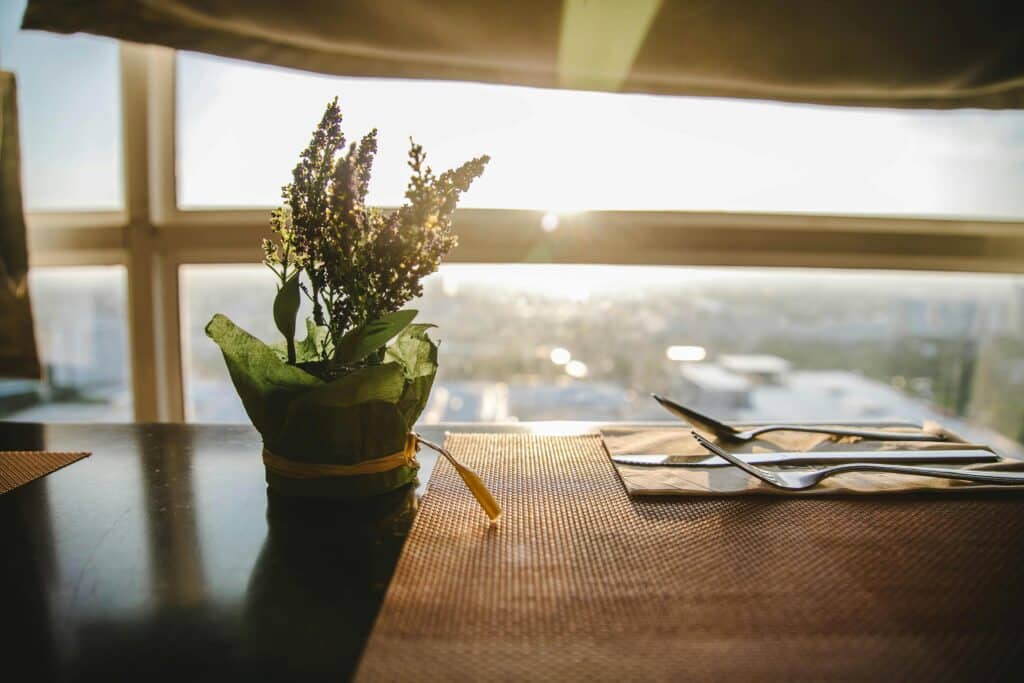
(710, 387)
(757, 368)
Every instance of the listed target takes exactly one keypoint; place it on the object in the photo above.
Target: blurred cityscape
(81, 332)
(591, 342)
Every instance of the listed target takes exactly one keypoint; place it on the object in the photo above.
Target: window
(591, 342)
(69, 116)
(558, 150)
(82, 336)
(684, 182)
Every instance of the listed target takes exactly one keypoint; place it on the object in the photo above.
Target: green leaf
(317, 344)
(415, 351)
(265, 383)
(362, 341)
(417, 354)
(373, 383)
(314, 348)
(286, 307)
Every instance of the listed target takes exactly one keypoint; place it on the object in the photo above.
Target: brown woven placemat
(21, 467)
(581, 582)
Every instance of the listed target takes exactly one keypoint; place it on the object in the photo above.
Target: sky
(572, 151)
(241, 126)
(70, 117)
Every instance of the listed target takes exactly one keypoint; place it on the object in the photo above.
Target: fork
(792, 480)
(726, 432)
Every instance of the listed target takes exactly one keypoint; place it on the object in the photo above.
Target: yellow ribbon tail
(472, 480)
(480, 492)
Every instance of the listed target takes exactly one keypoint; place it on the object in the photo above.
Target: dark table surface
(162, 556)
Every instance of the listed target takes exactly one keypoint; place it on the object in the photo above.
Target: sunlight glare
(576, 369)
(686, 353)
(560, 356)
(549, 222)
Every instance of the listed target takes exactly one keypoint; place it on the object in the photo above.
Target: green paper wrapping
(360, 416)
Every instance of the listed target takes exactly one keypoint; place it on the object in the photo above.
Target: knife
(958, 456)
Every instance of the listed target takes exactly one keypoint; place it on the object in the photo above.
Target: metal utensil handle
(875, 435)
(745, 466)
(926, 456)
(981, 477)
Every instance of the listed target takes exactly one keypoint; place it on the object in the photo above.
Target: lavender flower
(359, 262)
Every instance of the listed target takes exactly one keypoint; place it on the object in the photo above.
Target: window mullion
(152, 279)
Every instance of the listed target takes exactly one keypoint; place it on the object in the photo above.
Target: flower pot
(344, 439)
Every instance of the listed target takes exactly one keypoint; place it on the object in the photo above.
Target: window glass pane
(81, 331)
(69, 115)
(524, 342)
(241, 127)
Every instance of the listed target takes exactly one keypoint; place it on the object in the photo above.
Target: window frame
(152, 237)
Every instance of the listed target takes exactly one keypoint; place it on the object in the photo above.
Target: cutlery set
(838, 462)
(798, 480)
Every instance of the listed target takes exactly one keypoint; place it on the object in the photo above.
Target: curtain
(900, 53)
(18, 356)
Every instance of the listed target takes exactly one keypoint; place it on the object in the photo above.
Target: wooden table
(162, 556)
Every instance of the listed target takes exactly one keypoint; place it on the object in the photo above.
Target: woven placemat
(21, 467)
(581, 582)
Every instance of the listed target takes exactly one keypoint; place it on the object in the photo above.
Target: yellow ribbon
(309, 470)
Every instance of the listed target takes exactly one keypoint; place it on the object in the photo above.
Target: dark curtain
(17, 342)
(900, 53)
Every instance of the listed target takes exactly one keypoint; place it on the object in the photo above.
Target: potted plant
(336, 409)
